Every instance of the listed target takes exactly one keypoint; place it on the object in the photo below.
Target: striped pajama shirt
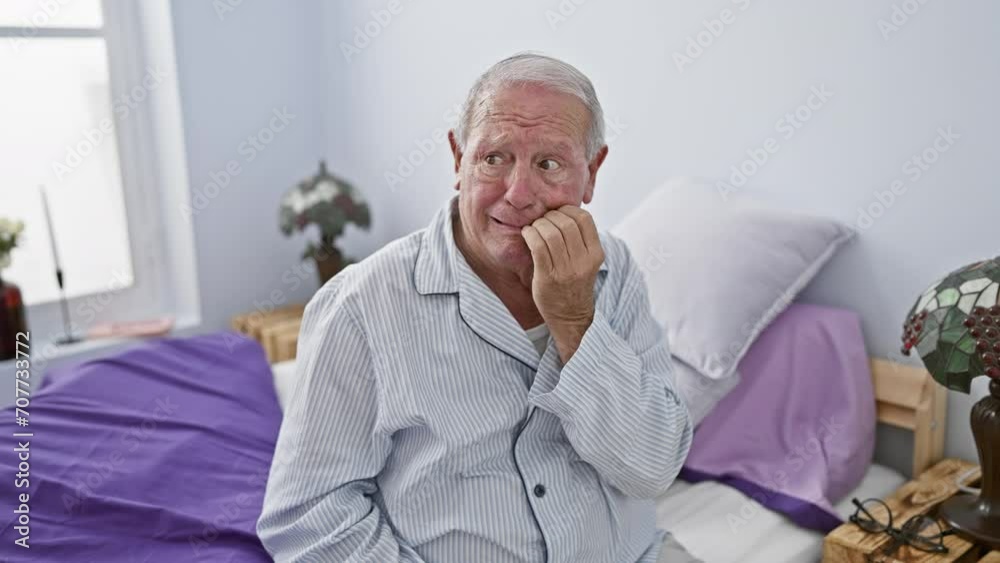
(424, 426)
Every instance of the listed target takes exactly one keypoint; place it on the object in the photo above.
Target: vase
(12, 320)
(979, 517)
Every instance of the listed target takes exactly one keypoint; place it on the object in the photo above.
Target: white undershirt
(539, 336)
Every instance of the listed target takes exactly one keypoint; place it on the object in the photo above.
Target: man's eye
(493, 159)
(549, 164)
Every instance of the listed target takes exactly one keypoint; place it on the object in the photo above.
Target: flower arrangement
(330, 203)
(9, 233)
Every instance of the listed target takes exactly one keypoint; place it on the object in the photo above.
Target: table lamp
(955, 328)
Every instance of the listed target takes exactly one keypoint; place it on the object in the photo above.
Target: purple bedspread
(157, 454)
(798, 432)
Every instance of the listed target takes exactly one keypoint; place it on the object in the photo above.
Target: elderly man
(493, 387)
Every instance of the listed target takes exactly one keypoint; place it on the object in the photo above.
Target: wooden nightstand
(277, 331)
(850, 544)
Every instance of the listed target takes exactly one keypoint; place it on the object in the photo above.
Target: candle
(69, 338)
(48, 222)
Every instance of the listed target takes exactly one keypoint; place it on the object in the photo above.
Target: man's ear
(592, 168)
(456, 151)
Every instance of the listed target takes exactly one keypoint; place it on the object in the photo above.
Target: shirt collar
(436, 269)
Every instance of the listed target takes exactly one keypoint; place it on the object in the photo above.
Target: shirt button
(539, 490)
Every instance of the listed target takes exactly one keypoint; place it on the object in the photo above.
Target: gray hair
(542, 70)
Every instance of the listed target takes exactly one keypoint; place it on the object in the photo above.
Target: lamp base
(979, 517)
(968, 515)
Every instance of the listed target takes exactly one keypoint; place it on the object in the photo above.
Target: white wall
(236, 68)
(889, 97)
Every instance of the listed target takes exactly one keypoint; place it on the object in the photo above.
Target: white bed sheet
(719, 524)
(706, 517)
(284, 380)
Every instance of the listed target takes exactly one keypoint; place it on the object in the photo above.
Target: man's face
(525, 156)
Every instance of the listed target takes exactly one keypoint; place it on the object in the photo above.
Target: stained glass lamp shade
(955, 326)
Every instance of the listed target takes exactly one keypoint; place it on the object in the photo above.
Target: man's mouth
(506, 226)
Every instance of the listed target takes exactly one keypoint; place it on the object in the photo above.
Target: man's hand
(567, 254)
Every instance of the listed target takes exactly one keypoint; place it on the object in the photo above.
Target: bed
(161, 453)
(697, 513)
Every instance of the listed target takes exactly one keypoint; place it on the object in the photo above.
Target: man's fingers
(585, 221)
(553, 238)
(575, 246)
(539, 250)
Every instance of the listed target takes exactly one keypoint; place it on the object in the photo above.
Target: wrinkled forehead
(534, 114)
(494, 134)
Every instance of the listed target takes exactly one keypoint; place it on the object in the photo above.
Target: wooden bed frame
(908, 397)
(276, 330)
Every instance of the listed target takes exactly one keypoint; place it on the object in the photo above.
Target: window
(92, 111)
(61, 117)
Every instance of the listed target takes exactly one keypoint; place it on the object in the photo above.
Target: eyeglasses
(921, 531)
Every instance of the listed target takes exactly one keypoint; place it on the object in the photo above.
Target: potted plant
(11, 305)
(330, 203)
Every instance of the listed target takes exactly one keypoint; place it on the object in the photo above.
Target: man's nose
(521, 187)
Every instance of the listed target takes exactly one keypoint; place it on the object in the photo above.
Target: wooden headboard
(908, 397)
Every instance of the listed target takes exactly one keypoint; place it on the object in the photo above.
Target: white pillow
(700, 393)
(720, 269)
